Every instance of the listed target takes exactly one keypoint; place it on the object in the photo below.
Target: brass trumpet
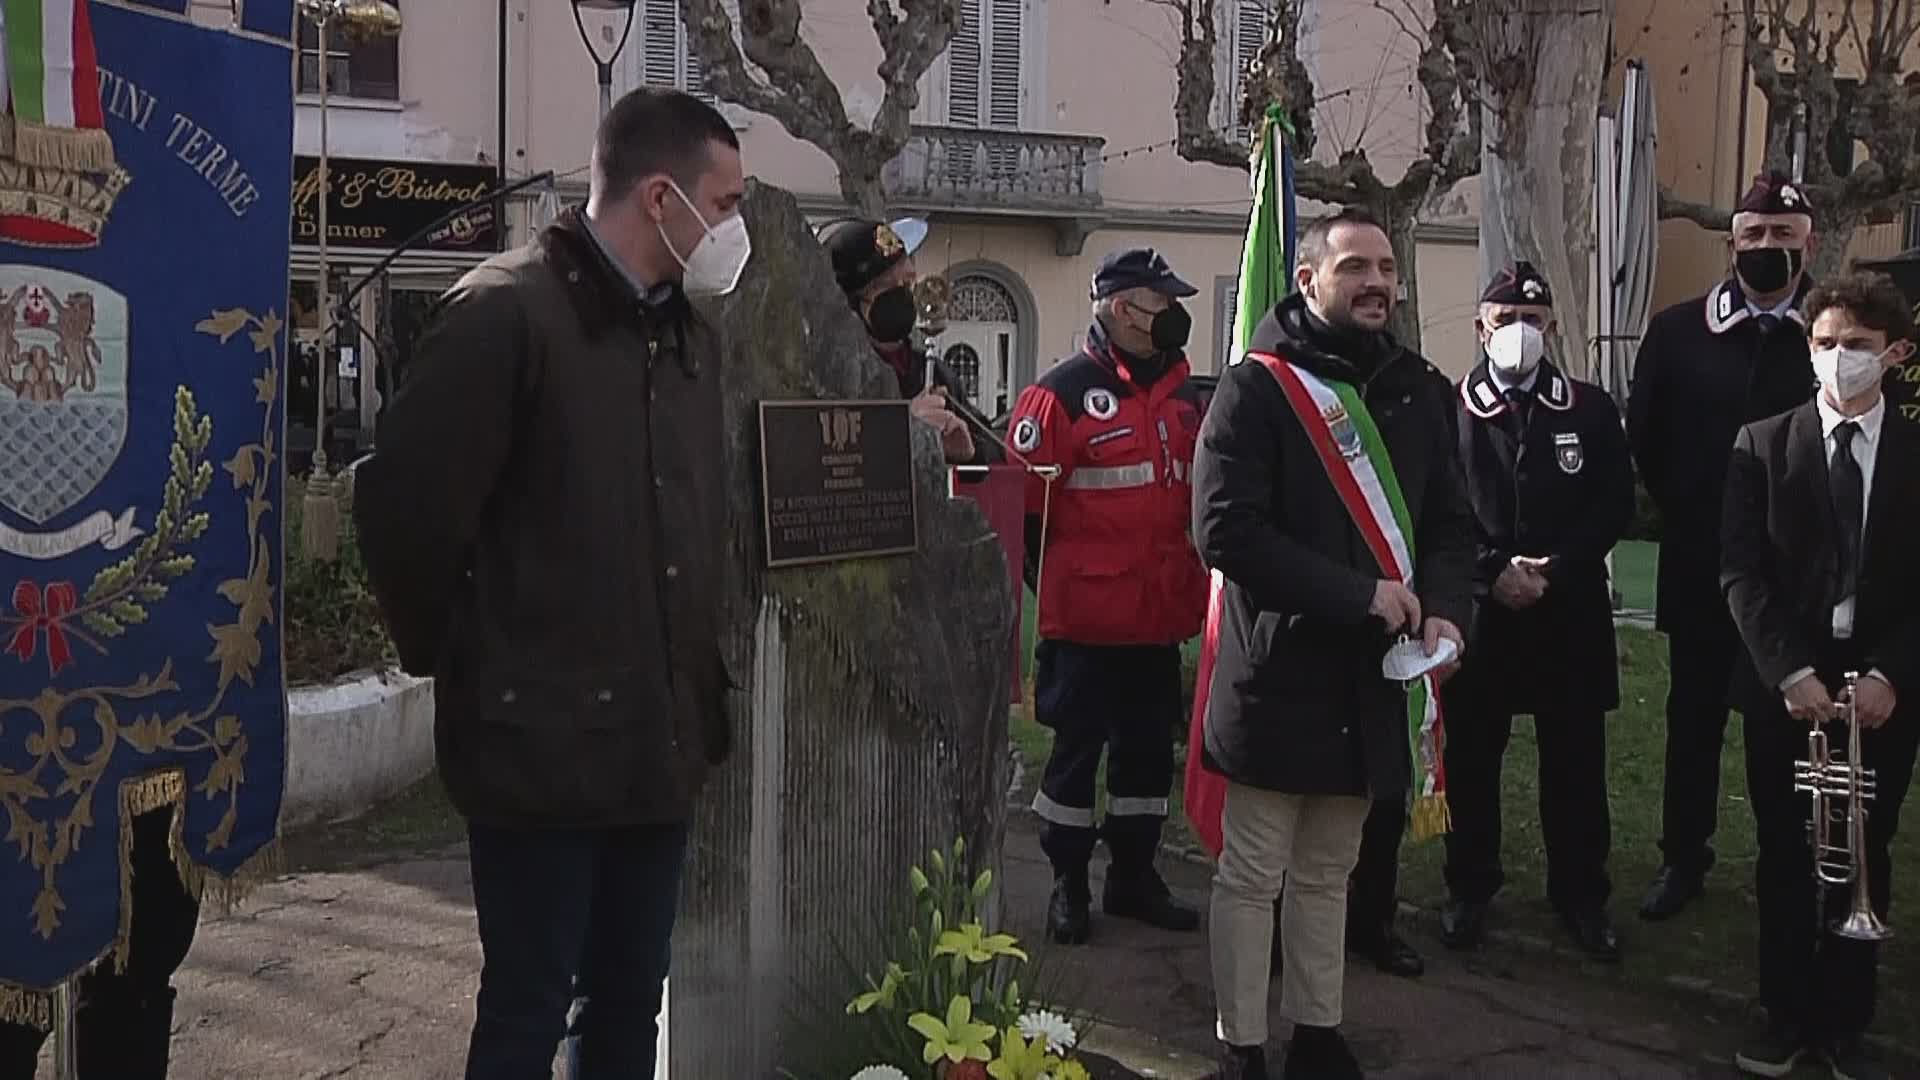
(1840, 789)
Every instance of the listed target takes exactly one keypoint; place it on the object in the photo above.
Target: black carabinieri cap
(1138, 268)
(1518, 284)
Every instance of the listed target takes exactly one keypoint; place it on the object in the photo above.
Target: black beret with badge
(1518, 284)
(1774, 193)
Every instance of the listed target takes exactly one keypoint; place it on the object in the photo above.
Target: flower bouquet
(948, 1004)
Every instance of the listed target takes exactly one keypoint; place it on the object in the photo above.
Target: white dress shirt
(1501, 380)
(1866, 444)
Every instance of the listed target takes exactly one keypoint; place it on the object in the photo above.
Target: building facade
(1712, 129)
(1044, 139)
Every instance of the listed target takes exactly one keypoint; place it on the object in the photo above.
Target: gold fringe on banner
(31, 1008)
(73, 149)
(1431, 817)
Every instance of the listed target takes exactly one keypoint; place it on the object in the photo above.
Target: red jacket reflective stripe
(1120, 567)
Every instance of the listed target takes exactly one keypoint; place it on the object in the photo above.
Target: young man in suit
(1822, 510)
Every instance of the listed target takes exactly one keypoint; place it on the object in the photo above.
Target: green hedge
(333, 624)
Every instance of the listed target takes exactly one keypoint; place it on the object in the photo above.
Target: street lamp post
(605, 66)
(320, 511)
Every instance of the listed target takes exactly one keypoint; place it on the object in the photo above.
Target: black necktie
(1849, 506)
(1519, 403)
(1768, 322)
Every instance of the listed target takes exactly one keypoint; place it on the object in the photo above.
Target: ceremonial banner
(145, 174)
(1266, 277)
(1001, 491)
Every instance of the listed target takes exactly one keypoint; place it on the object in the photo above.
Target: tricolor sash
(1356, 461)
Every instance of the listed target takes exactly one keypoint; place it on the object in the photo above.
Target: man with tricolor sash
(1329, 502)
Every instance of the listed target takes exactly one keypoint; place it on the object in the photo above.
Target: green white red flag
(52, 81)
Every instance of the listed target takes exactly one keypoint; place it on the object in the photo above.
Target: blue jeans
(578, 919)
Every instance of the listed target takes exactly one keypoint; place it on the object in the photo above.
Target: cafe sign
(379, 204)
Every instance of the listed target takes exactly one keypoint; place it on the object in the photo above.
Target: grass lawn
(1713, 939)
(1633, 572)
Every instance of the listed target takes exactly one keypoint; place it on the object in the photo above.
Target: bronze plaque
(836, 480)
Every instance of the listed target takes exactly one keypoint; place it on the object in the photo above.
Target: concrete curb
(353, 743)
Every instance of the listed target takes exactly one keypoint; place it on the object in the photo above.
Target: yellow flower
(1019, 1059)
(1072, 1070)
(956, 1040)
(972, 942)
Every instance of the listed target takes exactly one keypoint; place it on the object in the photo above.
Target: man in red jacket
(1119, 585)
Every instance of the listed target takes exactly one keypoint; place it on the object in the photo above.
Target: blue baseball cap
(1138, 268)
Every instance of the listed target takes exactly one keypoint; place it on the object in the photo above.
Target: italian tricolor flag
(52, 80)
(1366, 486)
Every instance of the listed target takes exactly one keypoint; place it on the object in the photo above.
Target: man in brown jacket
(544, 524)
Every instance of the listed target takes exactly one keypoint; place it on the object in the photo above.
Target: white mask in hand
(1847, 373)
(713, 269)
(1516, 348)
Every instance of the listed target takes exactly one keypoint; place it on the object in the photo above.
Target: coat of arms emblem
(63, 388)
(1568, 452)
(1345, 436)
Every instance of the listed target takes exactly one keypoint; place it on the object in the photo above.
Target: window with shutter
(963, 67)
(666, 56)
(1249, 32)
(1003, 65)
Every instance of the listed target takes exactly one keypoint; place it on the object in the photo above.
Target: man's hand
(1395, 604)
(1519, 586)
(1808, 700)
(1873, 702)
(1436, 629)
(955, 440)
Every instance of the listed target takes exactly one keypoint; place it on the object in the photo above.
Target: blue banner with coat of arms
(145, 180)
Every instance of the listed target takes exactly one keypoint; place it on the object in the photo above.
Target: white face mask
(1516, 348)
(713, 269)
(1847, 373)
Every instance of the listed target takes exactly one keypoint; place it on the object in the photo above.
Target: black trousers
(124, 1020)
(1373, 889)
(1822, 982)
(1701, 662)
(575, 930)
(1121, 699)
(1574, 819)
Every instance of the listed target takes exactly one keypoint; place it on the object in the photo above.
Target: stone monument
(870, 723)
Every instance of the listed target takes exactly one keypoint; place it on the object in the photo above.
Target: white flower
(1045, 1023)
(879, 1072)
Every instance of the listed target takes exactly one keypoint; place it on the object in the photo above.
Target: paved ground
(370, 974)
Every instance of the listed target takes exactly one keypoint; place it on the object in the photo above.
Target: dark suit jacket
(1778, 552)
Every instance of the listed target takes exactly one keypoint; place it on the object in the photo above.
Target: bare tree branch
(787, 82)
(1451, 146)
(1707, 217)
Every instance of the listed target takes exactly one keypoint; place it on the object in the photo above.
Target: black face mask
(1170, 329)
(891, 316)
(1767, 270)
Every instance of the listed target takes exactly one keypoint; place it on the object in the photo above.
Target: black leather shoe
(1463, 924)
(1672, 890)
(1143, 896)
(1240, 1063)
(1388, 951)
(1318, 1053)
(1068, 922)
(1593, 931)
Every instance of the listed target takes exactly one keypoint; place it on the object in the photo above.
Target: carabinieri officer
(1551, 483)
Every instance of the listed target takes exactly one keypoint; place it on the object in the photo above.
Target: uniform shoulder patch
(1026, 435)
(1100, 403)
